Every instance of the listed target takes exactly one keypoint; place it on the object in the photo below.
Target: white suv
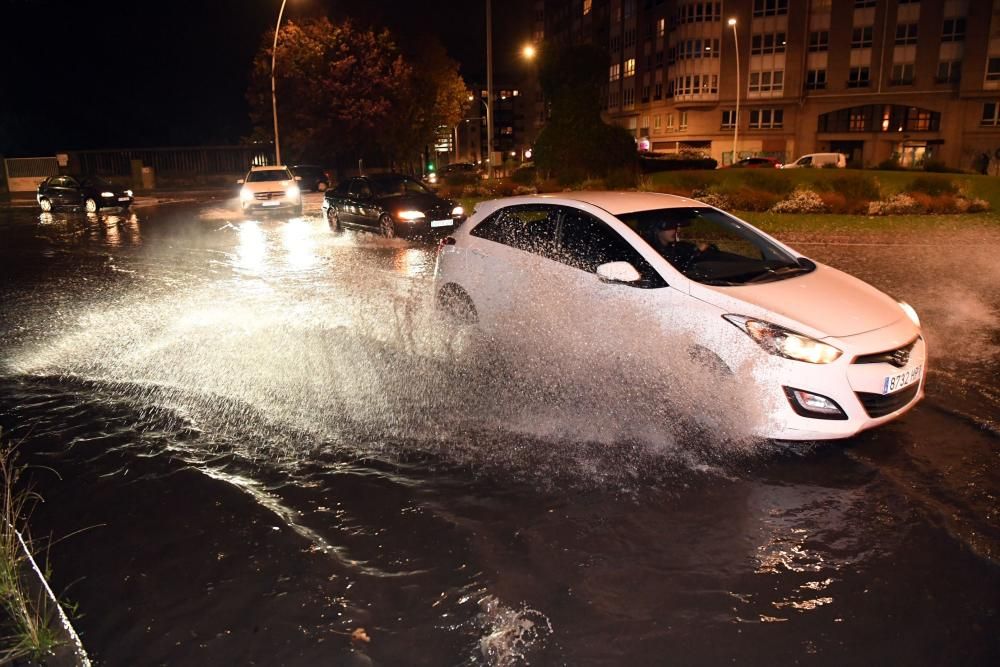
(270, 188)
(829, 354)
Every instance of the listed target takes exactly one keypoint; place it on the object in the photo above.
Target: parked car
(311, 177)
(840, 356)
(270, 189)
(90, 193)
(819, 160)
(756, 163)
(394, 204)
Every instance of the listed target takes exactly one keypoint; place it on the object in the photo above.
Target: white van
(819, 160)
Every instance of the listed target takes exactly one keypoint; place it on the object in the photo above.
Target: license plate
(272, 203)
(123, 199)
(896, 382)
(442, 223)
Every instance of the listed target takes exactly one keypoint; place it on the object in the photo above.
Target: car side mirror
(239, 182)
(618, 272)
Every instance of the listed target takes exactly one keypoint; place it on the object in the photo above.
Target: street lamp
(489, 87)
(528, 52)
(736, 119)
(274, 97)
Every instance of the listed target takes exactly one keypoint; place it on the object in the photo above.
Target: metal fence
(187, 161)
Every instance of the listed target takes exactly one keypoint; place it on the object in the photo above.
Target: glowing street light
(736, 119)
(528, 52)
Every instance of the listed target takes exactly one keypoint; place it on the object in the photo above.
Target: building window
(906, 33)
(629, 37)
(587, 6)
(893, 118)
(816, 79)
(658, 91)
(697, 48)
(993, 69)
(991, 114)
(949, 71)
(953, 30)
(696, 12)
(919, 120)
(770, 7)
(861, 4)
(645, 93)
(629, 67)
(696, 84)
(773, 42)
(859, 77)
(858, 119)
(902, 74)
(819, 41)
(670, 121)
(615, 72)
(908, 2)
(767, 82)
(628, 97)
(683, 125)
(656, 122)
(861, 38)
(766, 119)
(629, 8)
(728, 119)
(661, 27)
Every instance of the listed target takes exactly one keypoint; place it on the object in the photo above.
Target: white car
(840, 356)
(271, 189)
(818, 161)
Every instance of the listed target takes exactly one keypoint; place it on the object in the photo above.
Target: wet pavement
(253, 438)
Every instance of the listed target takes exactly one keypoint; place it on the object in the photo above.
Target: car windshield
(711, 247)
(95, 182)
(268, 175)
(396, 185)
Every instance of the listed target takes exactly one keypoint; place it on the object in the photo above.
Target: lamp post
(489, 87)
(736, 119)
(274, 97)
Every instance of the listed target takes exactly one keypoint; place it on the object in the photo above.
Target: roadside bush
(802, 201)
(712, 199)
(750, 199)
(524, 175)
(889, 164)
(855, 187)
(936, 166)
(975, 204)
(898, 204)
(505, 188)
(932, 185)
(592, 184)
(549, 185)
(622, 179)
(462, 178)
(687, 182)
(836, 202)
(767, 180)
(650, 164)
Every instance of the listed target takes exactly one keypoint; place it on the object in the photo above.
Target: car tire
(388, 227)
(456, 306)
(90, 205)
(333, 218)
(45, 205)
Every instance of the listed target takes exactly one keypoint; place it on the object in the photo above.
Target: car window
(396, 185)
(585, 243)
(342, 187)
(267, 175)
(359, 189)
(58, 182)
(528, 227)
(805, 161)
(712, 247)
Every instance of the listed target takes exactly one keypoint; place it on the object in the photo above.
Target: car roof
(614, 203)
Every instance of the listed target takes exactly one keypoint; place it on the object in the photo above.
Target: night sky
(80, 74)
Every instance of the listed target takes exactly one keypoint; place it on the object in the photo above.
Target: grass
(25, 620)
(830, 223)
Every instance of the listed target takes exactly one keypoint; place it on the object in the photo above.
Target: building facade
(903, 80)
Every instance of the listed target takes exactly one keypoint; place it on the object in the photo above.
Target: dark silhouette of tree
(576, 143)
(336, 85)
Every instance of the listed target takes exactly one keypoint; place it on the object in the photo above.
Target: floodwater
(253, 438)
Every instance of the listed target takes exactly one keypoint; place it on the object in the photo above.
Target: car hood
(267, 186)
(823, 303)
(414, 201)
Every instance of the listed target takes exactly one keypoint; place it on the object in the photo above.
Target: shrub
(505, 188)
(975, 204)
(549, 185)
(801, 201)
(750, 199)
(686, 182)
(650, 164)
(932, 185)
(621, 179)
(712, 199)
(835, 202)
(462, 178)
(889, 164)
(767, 180)
(855, 187)
(525, 175)
(898, 204)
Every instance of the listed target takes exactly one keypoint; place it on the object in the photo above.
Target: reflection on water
(251, 251)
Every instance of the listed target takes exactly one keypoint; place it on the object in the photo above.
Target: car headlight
(246, 194)
(458, 210)
(128, 193)
(410, 216)
(292, 191)
(107, 194)
(784, 343)
(910, 312)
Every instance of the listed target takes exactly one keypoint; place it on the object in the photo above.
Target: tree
(433, 96)
(575, 143)
(335, 84)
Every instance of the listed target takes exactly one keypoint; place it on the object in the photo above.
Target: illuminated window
(587, 6)
(615, 72)
(630, 67)
(858, 120)
(661, 27)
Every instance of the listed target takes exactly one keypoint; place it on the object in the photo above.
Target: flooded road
(253, 438)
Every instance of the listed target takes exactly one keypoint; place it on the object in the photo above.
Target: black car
(394, 204)
(313, 178)
(90, 193)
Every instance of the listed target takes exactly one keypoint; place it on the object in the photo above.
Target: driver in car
(666, 241)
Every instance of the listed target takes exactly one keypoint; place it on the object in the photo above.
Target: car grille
(898, 357)
(438, 213)
(879, 405)
(269, 195)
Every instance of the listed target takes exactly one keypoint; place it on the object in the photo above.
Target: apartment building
(909, 80)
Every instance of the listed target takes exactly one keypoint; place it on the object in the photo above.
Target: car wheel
(387, 226)
(333, 218)
(456, 306)
(90, 205)
(321, 187)
(45, 205)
